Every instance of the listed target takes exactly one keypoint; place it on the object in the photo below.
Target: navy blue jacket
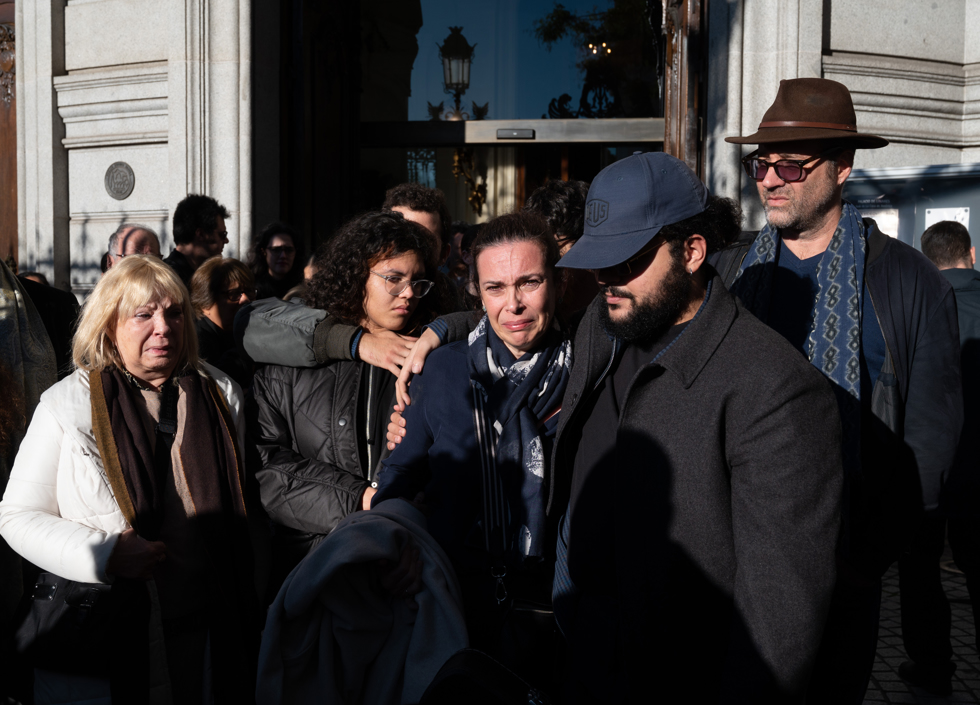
(440, 456)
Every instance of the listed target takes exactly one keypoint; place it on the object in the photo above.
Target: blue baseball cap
(629, 202)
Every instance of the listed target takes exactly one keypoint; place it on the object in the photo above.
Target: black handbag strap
(494, 503)
(166, 429)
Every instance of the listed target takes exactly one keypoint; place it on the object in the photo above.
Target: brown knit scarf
(214, 472)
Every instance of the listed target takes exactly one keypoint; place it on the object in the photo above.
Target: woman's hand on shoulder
(134, 557)
(385, 349)
(414, 364)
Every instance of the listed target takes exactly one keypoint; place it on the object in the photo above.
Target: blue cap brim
(591, 252)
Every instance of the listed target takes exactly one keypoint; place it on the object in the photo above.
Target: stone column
(210, 109)
(42, 160)
(754, 44)
(8, 135)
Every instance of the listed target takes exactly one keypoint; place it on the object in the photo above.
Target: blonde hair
(136, 281)
(210, 279)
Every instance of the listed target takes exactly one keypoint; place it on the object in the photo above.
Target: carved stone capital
(7, 63)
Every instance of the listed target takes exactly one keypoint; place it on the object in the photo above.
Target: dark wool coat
(961, 494)
(722, 505)
(910, 427)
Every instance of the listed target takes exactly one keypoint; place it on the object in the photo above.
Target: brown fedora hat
(811, 109)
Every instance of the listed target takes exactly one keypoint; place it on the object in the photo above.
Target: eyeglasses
(788, 170)
(396, 284)
(624, 270)
(281, 249)
(234, 295)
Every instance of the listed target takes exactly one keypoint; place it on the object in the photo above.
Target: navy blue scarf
(512, 399)
(834, 343)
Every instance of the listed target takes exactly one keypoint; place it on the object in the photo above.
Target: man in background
(926, 620)
(427, 207)
(131, 239)
(199, 234)
(562, 204)
(877, 319)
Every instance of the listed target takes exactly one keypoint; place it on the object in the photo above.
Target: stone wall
(913, 69)
(128, 106)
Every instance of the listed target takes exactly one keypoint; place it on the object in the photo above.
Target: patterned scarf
(834, 343)
(512, 398)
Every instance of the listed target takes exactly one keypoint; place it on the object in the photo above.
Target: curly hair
(720, 224)
(256, 253)
(562, 204)
(344, 264)
(421, 198)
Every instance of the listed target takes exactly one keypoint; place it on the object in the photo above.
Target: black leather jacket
(320, 436)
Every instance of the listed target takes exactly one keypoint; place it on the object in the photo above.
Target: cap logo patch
(596, 212)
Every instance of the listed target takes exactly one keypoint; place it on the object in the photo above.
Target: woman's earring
(690, 271)
(484, 308)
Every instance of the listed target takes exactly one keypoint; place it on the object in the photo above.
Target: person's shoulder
(447, 360)
(70, 400)
(74, 384)
(885, 249)
(41, 294)
(759, 352)
(229, 387)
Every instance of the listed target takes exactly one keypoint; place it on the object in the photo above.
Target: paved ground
(886, 686)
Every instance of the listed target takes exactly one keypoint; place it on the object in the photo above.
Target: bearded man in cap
(697, 455)
(879, 321)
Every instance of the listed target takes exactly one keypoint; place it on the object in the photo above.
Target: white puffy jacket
(59, 511)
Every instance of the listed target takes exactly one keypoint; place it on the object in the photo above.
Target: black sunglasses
(788, 170)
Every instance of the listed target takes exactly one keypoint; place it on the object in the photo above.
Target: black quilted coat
(317, 433)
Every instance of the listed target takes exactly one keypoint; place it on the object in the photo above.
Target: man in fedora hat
(877, 318)
(696, 558)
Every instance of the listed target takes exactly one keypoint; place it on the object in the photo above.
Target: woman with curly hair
(276, 260)
(321, 431)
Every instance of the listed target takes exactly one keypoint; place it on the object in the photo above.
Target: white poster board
(886, 218)
(960, 215)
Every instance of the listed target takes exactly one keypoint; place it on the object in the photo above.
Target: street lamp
(456, 54)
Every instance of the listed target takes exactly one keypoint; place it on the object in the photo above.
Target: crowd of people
(609, 448)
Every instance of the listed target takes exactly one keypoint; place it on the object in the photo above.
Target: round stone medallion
(120, 180)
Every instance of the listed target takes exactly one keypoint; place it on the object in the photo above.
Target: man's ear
(695, 253)
(845, 162)
(973, 255)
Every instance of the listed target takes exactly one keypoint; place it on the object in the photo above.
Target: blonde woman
(131, 473)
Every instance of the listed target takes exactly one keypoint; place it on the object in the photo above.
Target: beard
(650, 317)
(807, 206)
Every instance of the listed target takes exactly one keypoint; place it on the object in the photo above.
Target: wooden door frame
(685, 78)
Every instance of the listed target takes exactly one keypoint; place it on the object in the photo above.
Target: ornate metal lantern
(457, 55)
